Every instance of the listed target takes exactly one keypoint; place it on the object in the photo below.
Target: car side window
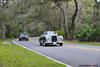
(45, 33)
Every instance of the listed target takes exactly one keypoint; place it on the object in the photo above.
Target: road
(72, 54)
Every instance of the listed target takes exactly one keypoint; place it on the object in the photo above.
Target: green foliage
(35, 17)
(19, 17)
(84, 33)
(89, 34)
(61, 32)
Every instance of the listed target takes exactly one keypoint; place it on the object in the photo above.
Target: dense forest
(74, 19)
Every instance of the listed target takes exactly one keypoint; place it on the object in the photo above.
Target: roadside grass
(14, 56)
(83, 43)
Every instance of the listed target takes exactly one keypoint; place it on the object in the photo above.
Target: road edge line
(42, 54)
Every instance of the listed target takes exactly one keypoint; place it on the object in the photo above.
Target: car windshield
(23, 33)
(49, 33)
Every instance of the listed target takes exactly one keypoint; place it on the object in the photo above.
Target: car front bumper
(54, 42)
(23, 38)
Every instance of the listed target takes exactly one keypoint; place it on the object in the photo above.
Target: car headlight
(48, 38)
(60, 38)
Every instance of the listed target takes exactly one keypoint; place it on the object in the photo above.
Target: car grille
(23, 37)
(54, 38)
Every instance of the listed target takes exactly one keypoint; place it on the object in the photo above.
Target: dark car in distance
(24, 36)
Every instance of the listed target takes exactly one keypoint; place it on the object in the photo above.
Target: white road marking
(43, 55)
(90, 49)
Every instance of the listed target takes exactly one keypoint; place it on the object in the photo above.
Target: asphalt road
(72, 54)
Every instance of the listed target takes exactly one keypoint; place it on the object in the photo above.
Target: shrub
(61, 32)
(88, 34)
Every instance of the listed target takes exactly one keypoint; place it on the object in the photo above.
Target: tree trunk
(4, 30)
(71, 27)
(4, 5)
(24, 28)
(64, 21)
(96, 15)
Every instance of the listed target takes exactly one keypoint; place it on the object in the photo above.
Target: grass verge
(83, 43)
(15, 56)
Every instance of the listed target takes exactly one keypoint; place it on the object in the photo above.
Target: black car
(24, 36)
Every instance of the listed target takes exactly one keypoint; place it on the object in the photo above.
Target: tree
(96, 15)
(71, 27)
(4, 6)
(63, 12)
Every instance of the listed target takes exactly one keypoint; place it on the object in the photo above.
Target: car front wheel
(19, 39)
(41, 42)
(27, 39)
(61, 44)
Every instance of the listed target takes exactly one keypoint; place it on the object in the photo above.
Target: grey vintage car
(23, 36)
(50, 38)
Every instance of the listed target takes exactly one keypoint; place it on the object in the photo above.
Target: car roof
(23, 33)
(49, 31)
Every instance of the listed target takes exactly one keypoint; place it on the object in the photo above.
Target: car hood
(51, 35)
